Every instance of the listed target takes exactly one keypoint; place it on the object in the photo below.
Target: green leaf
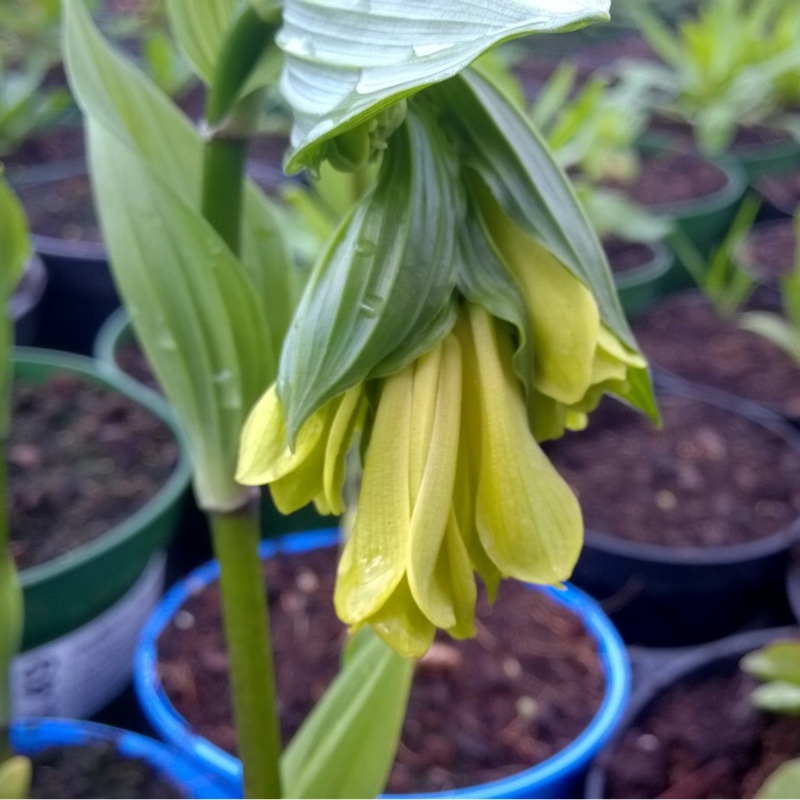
(779, 661)
(193, 308)
(210, 324)
(513, 160)
(382, 293)
(347, 745)
(199, 29)
(15, 250)
(783, 784)
(348, 59)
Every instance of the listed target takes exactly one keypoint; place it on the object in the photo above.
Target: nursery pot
(114, 337)
(640, 287)
(718, 658)
(83, 609)
(659, 595)
(80, 290)
(558, 776)
(702, 221)
(31, 735)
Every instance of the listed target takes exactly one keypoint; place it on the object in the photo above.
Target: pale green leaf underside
(201, 315)
(114, 93)
(347, 59)
(347, 745)
(199, 29)
(193, 309)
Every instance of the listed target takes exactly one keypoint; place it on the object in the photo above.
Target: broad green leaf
(779, 661)
(111, 91)
(783, 784)
(11, 614)
(15, 250)
(199, 29)
(382, 293)
(348, 59)
(193, 308)
(512, 159)
(211, 324)
(347, 745)
(15, 247)
(778, 696)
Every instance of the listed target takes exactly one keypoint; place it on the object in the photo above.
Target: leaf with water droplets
(348, 59)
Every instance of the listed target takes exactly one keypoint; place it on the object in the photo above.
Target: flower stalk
(231, 121)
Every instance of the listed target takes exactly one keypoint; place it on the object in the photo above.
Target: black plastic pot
(720, 657)
(80, 291)
(660, 596)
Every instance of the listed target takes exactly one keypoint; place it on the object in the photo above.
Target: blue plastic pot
(558, 776)
(32, 735)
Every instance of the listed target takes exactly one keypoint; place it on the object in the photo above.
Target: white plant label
(79, 673)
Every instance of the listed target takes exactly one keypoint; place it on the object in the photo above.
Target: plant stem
(232, 119)
(236, 536)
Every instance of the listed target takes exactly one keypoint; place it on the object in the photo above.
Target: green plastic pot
(641, 287)
(772, 159)
(114, 334)
(69, 592)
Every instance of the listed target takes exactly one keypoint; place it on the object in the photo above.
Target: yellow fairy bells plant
(462, 314)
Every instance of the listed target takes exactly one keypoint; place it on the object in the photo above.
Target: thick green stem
(236, 537)
(231, 120)
(10, 616)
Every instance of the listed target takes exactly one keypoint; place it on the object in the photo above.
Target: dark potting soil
(95, 771)
(479, 709)
(730, 358)
(132, 361)
(702, 739)
(768, 251)
(673, 177)
(626, 256)
(56, 144)
(62, 209)
(81, 460)
(709, 477)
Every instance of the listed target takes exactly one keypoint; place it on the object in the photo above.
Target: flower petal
(375, 555)
(528, 519)
(436, 421)
(401, 624)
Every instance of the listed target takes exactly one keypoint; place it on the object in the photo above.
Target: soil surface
(673, 177)
(62, 209)
(81, 460)
(479, 709)
(768, 250)
(95, 770)
(132, 361)
(730, 358)
(709, 477)
(702, 739)
(626, 256)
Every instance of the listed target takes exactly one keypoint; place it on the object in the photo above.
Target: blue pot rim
(30, 735)
(572, 760)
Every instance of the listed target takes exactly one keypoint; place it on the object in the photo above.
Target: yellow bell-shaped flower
(454, 483)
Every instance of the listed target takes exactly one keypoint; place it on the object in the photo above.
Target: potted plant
(693, 730)
(683, 525)
(162, 667)
(213, 321)
(728, 80)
